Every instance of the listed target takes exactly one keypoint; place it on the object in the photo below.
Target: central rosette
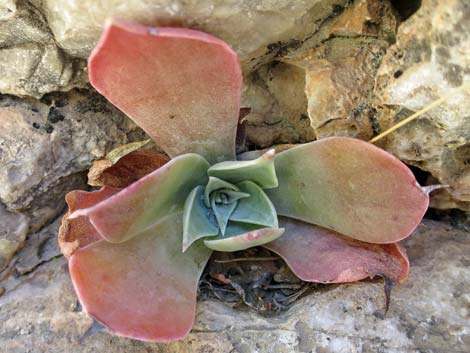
(232, 210)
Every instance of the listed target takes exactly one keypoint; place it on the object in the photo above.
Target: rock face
(312, 69)
(44, 43)
(429, 313)
(48, 145)
(430, 60)
(14, 227)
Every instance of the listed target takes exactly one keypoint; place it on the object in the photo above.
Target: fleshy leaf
(245, 240)
(256, 209)
(260, 170)
(144, 288)
(143, 203)
(317, 254)
(349, 186)
(216, 184)
(78, 232)
(222, 213)
(197, 218)
(181, 86)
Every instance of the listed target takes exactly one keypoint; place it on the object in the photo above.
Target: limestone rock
(40, 247)
(43, 44)
(276, 99)
(46, 147)
(430, 60)
(31, 63)
(429, 313)
(341, 68)
(263, 22)
(14, 227)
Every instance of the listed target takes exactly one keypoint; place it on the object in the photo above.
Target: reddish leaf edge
(395, 251)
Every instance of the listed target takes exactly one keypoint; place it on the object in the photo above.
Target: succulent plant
(333, 209)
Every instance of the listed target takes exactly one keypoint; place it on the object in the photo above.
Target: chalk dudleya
(334, 209)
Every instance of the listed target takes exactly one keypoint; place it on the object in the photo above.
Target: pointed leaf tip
(182, 86)
(260, 170)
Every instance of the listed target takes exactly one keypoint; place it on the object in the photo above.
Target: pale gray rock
(43, 44)
(263, 22)
(31, 62)
(47, 146)
(13, 230)
(39, 247)
(429, 313)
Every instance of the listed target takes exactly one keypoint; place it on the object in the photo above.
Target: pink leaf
(181, 86)
(349, 186)
(317, 254)
(144, 288)
(149, 199)
(79, 232)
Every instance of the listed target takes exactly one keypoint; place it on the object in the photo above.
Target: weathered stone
(275, 95)
(31, 62)
(46, 147)
(429, 313)
(264, 22)
(428, 61)
(13, 229)
(39, 247)
(34, 33)
(35, 69)
(341, 68)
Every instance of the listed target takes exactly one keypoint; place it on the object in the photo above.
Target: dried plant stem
(419, 113)
(269, 258)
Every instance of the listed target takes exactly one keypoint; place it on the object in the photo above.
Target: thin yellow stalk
(419, 113)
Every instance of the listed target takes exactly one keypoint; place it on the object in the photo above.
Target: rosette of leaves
(333, 209)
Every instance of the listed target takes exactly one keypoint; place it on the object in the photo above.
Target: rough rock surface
(46, 146)
(429, 313)
(312, 69)
(431, 59)
(44, 43)
(13, 230)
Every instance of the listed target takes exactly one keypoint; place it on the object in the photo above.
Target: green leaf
(198, 220)
(216, 184)
(256, 209)
(247, 239)
(145, 202)
(261, 171)
(349, 186)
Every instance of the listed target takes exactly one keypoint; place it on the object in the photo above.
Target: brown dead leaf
(126, 170)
